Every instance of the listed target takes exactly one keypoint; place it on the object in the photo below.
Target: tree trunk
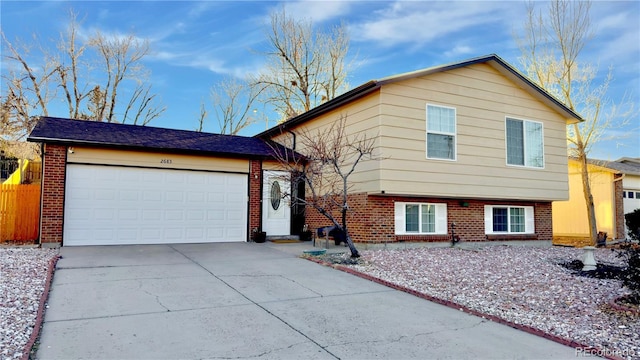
(345, 207)
(352, 247)
(588, 198)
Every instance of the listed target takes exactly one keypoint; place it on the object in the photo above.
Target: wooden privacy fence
(19, 212)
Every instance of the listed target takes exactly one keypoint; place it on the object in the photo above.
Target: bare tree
(202, 117)
(34, 81)
(550, 54)
(329, 157)
(233, 102)
(120, 57)
(305, 67)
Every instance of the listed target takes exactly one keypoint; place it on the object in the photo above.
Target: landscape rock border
(620, 307)
(26, 353)
(453, 305)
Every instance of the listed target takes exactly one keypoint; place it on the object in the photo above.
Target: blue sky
(195, 44)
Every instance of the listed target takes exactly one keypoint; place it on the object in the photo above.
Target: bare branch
(305, 67)
(233, 104)
(330, 156)
(551, 49)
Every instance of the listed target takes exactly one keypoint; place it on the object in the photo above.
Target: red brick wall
(255, 195)
(53, 179)
(372, 219)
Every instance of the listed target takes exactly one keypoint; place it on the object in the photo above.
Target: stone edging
(26, 353)
(619, 307)
(453, 305)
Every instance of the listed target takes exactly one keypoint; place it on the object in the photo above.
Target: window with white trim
(503, 219)
(525, 145)
(441, 132)
(420, 218)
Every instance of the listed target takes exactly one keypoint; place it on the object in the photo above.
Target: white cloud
(422, 22)
(459, 50)
(205, 60)
(617, 34)
(200, 8)
(318, 11)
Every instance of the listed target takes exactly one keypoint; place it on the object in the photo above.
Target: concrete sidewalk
(247, 300)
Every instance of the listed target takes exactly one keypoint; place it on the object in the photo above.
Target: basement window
(420, 218)
(508, 219)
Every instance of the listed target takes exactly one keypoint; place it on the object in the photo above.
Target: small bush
(631, 275)
(632, 221)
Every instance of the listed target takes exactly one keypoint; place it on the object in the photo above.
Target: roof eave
(570, 116)
(71, 142)
(347, 97)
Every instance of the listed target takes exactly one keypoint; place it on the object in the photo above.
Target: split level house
(473, 143)
(615, 186)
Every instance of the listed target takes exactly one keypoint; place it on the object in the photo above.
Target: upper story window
(525, 146)
(441, 132)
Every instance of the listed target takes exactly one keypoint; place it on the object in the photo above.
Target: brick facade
(53, 187)
(371, 219)
(255, 195)
(618, 206)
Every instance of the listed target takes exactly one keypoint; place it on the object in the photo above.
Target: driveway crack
(257, 304)
(155, 296)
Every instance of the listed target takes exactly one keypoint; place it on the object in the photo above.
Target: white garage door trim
(116, 205)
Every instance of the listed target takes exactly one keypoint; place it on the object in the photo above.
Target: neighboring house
(107, 183)
(630, 168)
(27, 172)
(615, 186)
(473, 143)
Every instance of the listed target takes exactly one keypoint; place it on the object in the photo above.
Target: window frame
(454, 134)
(529, 219)
(400, 208)
(524, 143)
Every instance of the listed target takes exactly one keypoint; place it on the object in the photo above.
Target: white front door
(276, 203)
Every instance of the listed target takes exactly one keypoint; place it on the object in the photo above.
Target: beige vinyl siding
(362, 120)
(273, 165)
(483, 98)
(86, 155)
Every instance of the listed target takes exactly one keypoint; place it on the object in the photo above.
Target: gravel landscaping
(23, 278)
(522, 285)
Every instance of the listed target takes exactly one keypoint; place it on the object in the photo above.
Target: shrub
(632, 221)
(631, 253)
(631, 275)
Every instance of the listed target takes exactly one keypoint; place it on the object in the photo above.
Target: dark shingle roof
(81, 132)
(624, 166)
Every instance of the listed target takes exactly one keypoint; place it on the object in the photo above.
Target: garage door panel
(174, 196)
(196, 196)
(119, 205)
(128, 214)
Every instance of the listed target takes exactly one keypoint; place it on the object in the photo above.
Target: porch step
(283, 238)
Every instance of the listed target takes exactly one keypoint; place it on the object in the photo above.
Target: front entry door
(276, 203)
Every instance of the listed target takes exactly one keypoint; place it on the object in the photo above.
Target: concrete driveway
(248, 301)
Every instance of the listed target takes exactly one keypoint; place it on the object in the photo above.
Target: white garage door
(110, 205)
